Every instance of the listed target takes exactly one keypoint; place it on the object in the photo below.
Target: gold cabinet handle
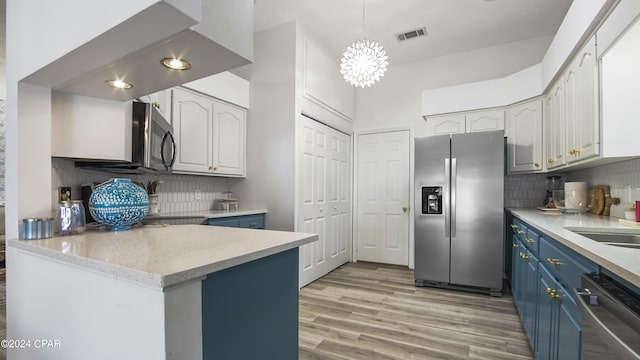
(215, 168)
(210, 168)
(552, 294)
(514, 226)
(554, 261)
(156, 105)
(520, 231)
(550, 161)
(524, 256)
(574, 152)
(405, 208)
(536, 164)
(515, 245)
(529, 240)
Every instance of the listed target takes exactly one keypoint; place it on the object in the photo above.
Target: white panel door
(312, 200)
(383, 197)
(339, 188)
(324, 198)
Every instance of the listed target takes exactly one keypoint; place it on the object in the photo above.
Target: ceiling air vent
(412, 34)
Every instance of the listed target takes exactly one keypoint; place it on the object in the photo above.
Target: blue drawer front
(566, 265)
(251, 221)
(228, 222)
(243, 221)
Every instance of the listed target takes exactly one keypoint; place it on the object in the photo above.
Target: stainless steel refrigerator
(459, 197)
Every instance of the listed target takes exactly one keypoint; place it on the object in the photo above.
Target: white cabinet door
(324, 201)
(554, 126)
(161, 100)
(210, 135)
(228, 139)
(582, 112)
(484, 120)
(446, 124)
(192, 124)
(524, 137)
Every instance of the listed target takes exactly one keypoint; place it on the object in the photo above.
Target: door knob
(405, 208)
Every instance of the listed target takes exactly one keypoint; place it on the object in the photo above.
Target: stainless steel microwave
(153, 146)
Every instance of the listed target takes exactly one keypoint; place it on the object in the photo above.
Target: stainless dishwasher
(610, 319)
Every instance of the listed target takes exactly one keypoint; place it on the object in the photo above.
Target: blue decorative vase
(119, 203)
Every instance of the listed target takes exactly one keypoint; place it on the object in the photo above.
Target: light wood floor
(373, 311)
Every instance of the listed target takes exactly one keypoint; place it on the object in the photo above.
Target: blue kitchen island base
(250, 311)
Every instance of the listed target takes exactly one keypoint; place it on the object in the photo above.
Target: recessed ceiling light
(119, 84)
(176, 64)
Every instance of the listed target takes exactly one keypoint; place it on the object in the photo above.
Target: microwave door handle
(173, 146)
(164, 140)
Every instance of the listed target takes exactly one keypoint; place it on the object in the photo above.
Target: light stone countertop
(161, 256)
(625, 262)
(207, 214)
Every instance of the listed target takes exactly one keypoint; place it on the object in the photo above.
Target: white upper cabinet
(446, 124)
(475, 121)
(325, 93)
(554, 126)
(210, 135)
(84, 127)
(161, 100)
(524, 137)
(486, 120)
(229, 123)
(582, 121)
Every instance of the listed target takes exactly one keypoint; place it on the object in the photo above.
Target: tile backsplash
(526, 190)
(176, 192)
(616, 175)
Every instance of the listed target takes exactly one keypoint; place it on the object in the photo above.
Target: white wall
(396, 100)
(271, 128)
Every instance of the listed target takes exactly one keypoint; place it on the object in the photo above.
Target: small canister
(70, 219)
(37, 228)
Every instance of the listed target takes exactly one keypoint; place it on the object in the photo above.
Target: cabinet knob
(524, 256)
(536, 164)
(405, 208)
(515, 245)
(574, 152)
(210, 168)
(552, 293)
(156, 105)
(529, 240)
(215, 168)
(550, 161)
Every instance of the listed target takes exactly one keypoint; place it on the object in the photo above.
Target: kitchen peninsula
(159, 292)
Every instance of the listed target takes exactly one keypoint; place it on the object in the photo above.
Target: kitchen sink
(621, 239)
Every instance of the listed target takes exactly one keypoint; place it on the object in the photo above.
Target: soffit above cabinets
(132, 51)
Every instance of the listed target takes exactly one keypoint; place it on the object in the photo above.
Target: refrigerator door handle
(445, 202)
(454, 177)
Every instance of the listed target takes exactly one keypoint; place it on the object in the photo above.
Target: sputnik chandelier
(365, 61)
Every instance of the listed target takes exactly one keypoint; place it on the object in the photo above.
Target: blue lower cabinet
(250, 311)
(242, 221)
(542, 293)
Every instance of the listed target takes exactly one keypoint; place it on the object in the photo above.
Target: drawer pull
(520, 231)
(524, 256)
(253, 224)
(554, 261)
(515, 245)
(552, 294)
(530, 240)
(514, 226)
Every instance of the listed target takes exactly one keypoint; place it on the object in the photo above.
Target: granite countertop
(625, 262)
(160, 256)
(206, 214)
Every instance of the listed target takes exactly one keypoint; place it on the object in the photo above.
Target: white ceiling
(453, 25)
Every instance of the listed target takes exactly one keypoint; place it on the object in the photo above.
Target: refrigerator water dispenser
(432, 199)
